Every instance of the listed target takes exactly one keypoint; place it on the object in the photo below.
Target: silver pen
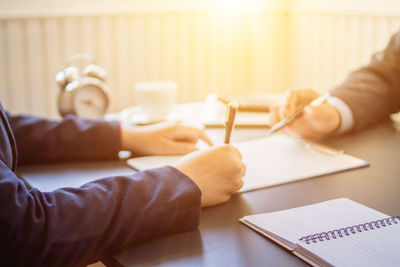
(286, 121)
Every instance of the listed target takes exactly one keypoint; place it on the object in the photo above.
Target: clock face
(90, 101)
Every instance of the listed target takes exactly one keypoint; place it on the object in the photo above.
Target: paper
(377, 247)
(214, 115)
(275, 160)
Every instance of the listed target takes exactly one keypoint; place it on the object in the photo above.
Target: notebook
(274, 160)
(338, 232)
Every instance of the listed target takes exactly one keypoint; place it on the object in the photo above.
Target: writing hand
(217, 171)
(315, 122)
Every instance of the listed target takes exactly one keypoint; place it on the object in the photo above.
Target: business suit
(373, 92)
(77, 226)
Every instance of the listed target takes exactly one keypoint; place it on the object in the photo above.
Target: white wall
(198, 44)
(59, 7)
(56, 7)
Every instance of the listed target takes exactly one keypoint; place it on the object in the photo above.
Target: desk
(222, 241)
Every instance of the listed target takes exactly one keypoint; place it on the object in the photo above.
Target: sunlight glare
(238, 5)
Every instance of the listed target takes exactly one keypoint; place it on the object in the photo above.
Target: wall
(265, 47)
(328, 39)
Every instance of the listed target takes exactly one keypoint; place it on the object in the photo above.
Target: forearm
(78, 226)
(373, 92)
(41, 140)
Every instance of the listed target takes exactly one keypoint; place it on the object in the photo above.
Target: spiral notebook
(338, 232)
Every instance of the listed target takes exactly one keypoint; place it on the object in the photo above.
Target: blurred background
(229, 47)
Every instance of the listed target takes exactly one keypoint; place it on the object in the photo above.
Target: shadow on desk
(171, 250)
(49, 177)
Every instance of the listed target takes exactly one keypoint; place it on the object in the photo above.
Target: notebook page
(279, 159)
(380, 247)
(292, 224)
(273, 160)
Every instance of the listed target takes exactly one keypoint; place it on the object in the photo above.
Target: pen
(286, 121)
(231, 110)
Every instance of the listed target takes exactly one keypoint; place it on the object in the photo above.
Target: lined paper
(379, 247)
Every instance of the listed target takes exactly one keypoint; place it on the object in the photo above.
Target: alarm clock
(84, 92)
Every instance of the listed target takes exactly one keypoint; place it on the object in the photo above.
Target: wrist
(128, 137)
(346, 120)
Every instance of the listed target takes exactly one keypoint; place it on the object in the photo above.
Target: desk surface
(222, 241)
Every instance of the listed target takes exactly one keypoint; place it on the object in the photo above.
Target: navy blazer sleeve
(373, 91)
(78, 226)
(41, 140)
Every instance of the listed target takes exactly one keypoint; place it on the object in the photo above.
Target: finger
(180, 148)
(205, 137)
(291, 102)
(236, 151)
(239, 184)
(307, 125)
(191, 134)
(201, 134)
(244, 169)
(298, 98)
(274, 114)
(326, 118)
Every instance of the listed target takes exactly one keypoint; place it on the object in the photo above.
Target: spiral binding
(342, 232)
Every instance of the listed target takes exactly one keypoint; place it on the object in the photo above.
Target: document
(274, 160)
(338, 232)
(214, 115)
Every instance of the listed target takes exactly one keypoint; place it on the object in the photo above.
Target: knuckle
(240, 184)
(244, 169)
(237, 167)
(227, 196)
(237, 183)
(226, 148)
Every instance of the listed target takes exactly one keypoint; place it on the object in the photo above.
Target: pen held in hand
(286, 121)
(231, 110)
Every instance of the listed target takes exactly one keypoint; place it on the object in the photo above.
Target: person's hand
(315, 122)
(162, 139)
(217, 171)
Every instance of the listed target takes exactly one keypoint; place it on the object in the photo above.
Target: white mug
(156, 98)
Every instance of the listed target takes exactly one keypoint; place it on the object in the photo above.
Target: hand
(162, 139)
(315, 122)
(217, 171)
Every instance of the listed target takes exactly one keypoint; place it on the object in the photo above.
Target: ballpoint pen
(286, 121)
(231, 110)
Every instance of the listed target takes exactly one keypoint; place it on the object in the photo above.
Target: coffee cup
(156, 98)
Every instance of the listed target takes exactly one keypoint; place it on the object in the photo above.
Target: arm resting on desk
(42, 140)
(76, 226)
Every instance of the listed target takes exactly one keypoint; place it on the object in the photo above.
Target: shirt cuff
(346, 115)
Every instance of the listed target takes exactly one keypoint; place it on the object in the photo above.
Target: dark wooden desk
(222, 241)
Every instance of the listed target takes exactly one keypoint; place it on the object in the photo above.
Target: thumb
(274, 114)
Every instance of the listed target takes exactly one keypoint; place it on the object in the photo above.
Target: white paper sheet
(274, 160)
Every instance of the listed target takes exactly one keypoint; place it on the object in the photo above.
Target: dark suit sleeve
(42, 140)
(77, 226)
(373, 92)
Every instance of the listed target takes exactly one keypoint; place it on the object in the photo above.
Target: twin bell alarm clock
(84, 92)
